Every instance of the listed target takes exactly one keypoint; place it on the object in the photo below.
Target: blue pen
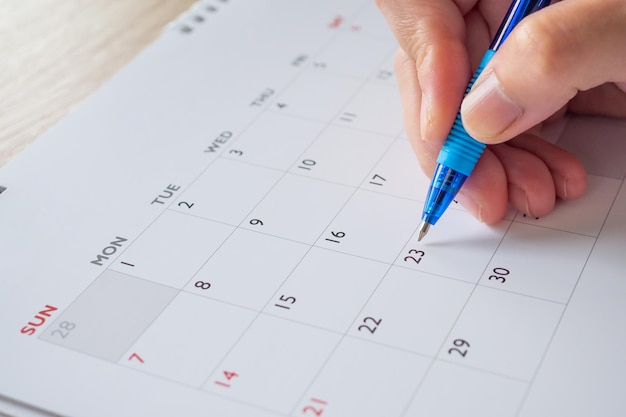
(460, 151)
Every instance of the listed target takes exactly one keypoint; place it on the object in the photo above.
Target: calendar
(228, 228)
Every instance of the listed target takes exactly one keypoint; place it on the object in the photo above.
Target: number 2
(373, 327)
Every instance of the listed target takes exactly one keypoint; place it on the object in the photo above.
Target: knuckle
(400, 60)
(548, 45)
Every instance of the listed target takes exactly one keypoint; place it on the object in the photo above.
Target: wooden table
(55, 53)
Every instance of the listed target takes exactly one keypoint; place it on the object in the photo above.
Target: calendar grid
(368, 309)
(435, 358)
(545, 352)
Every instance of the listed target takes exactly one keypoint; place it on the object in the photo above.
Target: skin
(569, 57)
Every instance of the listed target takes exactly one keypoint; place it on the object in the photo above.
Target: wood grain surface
(55, 53)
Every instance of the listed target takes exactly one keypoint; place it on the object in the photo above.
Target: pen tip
(423, 229)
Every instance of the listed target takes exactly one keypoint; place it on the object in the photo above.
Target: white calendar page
(228, 228)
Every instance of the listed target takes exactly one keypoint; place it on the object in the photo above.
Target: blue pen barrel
(445, 186)
(461, 152)
(455, 163)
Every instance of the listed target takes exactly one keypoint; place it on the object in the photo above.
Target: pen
(460, 151)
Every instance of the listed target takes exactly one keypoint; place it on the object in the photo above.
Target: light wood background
(53, 53)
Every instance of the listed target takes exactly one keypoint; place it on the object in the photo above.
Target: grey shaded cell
(107, 318)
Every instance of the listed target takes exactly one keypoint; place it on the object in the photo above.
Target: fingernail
(519, 195)
(487, 110)
(470, 205)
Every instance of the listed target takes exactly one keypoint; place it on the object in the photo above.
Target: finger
(410, 94)
(484, 193)
(605, 100)
(432, 34)
(530, 185)
(550, 56)
(568, 173)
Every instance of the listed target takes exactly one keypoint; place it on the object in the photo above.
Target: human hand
(567, 57)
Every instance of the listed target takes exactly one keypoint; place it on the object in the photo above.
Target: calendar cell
(337, 149)
(316, 95)
(227, 191)
(109, 315)
(582, 373)
(599, 143)
(511, 212)
(272, 364)
(475, 393)
(552, 131)
(361, 228)
(189, 339)
(247, 269)
(385, 74)
(398, 173)
(353, 364)
(412, 310)
(352, 43)
(372, 23)
(585, 215)
(539, 262)
(302, 218)
(446, 252)
(172, 249)
(375, 108)
(326, 278)
(274, 140)
(502, 332)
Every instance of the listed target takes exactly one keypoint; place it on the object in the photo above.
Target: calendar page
(228, 228)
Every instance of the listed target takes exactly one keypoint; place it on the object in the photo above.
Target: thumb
(570, 46)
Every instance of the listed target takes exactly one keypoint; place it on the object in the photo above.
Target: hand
(567, 57)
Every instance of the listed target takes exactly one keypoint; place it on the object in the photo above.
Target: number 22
(373, 327)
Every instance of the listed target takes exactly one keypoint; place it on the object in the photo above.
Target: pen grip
(460, 151)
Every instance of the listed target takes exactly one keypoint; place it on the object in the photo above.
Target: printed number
(337, 236)
(316, 408)
(186, 204)
(236, 152)
(459, 343)
(203, 285)
(370, 328)
(419, 254)
(286, 300)
(307, 164)
(229, 376)
(384, 75)
(499, 274)
(377, 180)
(135, 357)
(255, 222)
(65, 327)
